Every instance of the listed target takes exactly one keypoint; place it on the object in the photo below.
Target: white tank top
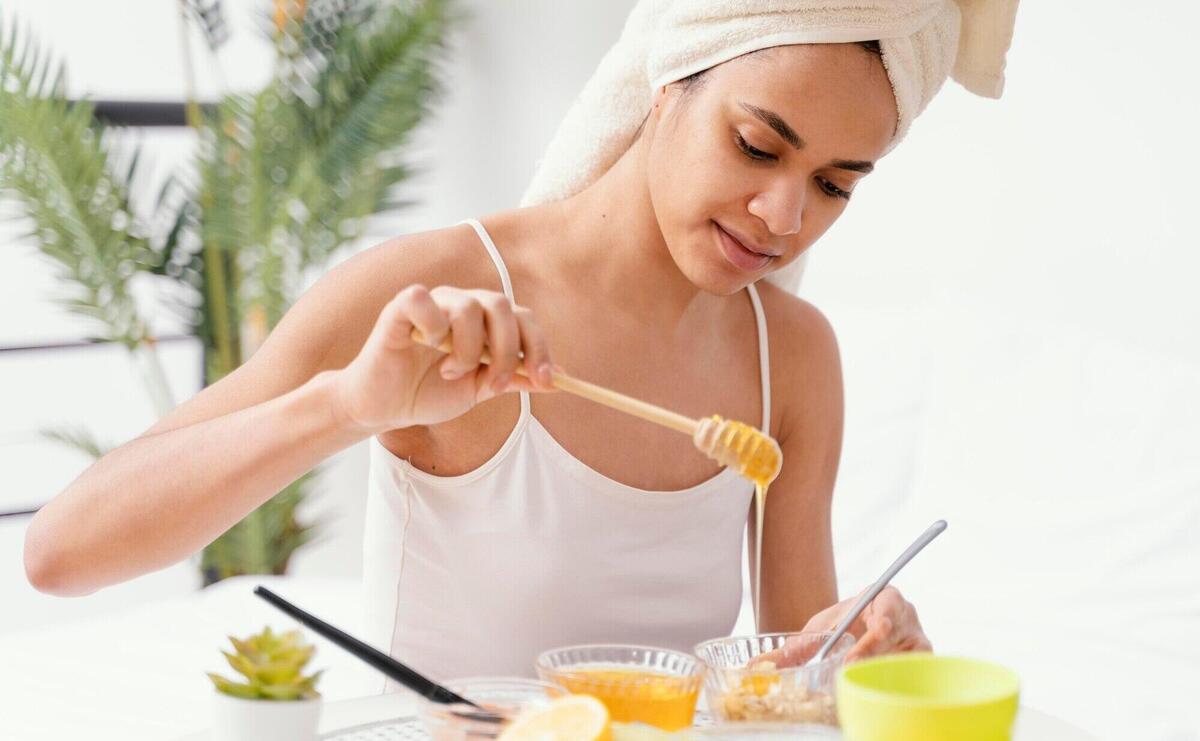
(476, 574)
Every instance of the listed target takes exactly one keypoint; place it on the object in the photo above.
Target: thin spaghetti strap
(505, 283)
(764, 357)
(494, 253)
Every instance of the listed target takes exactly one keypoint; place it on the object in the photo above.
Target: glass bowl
(656, 686)
(741, 685)
(506, 696)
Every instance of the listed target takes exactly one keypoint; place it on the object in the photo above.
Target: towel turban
(923, 42)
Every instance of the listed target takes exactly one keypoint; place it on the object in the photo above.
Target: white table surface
(138, 675)
(1032, 725)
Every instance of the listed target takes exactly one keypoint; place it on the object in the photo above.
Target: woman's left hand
(888, 625)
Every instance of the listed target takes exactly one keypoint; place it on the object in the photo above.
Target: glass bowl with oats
(763, 678)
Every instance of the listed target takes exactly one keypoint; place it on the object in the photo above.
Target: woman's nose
(781, 208)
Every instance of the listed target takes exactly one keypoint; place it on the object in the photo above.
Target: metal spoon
(926, 537)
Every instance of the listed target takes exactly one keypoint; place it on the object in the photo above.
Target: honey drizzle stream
(760, 501)
(755, 456)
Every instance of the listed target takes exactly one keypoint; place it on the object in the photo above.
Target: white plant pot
(236, 719)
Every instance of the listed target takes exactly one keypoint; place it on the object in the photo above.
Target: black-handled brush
(411, 679)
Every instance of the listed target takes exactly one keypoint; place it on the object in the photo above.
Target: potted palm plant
(281, 178)
(274, 700)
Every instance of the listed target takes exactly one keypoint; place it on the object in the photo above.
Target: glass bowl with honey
(655, 686)
(765, 678)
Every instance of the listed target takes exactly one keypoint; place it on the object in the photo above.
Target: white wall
(1014, 295)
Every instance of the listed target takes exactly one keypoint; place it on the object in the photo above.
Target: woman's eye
(753, 152)
(832, 190)
(757, 154)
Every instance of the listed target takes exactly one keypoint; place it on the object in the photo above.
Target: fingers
(536, 350)
(799, 651)
(467, 331)
(889, 601)
(876, 641)
(918, 642)
(908, 635)
(891, 626)
(412, 307)
(914, 638)
(796, 651)
(775, 657)
(503, 341)
(479, 322)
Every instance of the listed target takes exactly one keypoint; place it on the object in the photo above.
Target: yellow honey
(661, 700)
(760, 502)
(741, 447)
(754, 455)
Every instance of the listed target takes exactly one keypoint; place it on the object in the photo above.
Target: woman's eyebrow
(776, 122)
(789, 135)
(855, 165)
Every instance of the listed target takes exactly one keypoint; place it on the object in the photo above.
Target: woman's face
(752, 163)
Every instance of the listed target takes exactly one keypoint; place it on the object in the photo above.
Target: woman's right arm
(339, 368)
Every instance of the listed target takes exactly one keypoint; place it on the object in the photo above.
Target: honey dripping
(754, 455)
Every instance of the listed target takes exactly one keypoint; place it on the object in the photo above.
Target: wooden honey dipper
(746, 449)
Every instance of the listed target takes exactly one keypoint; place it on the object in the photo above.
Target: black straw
(424, 687)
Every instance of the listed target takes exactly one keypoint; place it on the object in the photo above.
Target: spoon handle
(926, 537)
(599, 394)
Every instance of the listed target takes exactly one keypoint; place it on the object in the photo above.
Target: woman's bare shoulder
(801, 322)
(448, 256)
(806, 371)
(352, 294)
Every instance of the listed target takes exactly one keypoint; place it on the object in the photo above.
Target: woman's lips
(738, 255)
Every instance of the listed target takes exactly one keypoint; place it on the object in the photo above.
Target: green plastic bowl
(923, 697)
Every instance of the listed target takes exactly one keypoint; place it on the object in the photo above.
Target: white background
(1014, 291)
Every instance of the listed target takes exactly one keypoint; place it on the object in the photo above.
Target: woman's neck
(611, 239)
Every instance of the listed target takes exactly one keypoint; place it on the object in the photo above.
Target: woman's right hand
(395, 382)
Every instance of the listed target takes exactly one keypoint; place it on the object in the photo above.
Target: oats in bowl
(764, 695)
(764, 678)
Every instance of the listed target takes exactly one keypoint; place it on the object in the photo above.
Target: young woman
(502, 521)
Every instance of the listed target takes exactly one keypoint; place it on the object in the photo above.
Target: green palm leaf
(59, 167)
(280, 180)
(79, 439)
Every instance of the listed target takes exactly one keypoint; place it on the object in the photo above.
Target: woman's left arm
(799, 581)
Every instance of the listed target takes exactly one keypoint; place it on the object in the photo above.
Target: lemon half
(570, 718)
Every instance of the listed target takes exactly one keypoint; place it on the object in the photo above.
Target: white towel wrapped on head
(923, 42)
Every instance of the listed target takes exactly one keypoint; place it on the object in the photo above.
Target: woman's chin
(716, 279)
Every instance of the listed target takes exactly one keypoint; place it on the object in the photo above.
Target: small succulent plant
(271, 664)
